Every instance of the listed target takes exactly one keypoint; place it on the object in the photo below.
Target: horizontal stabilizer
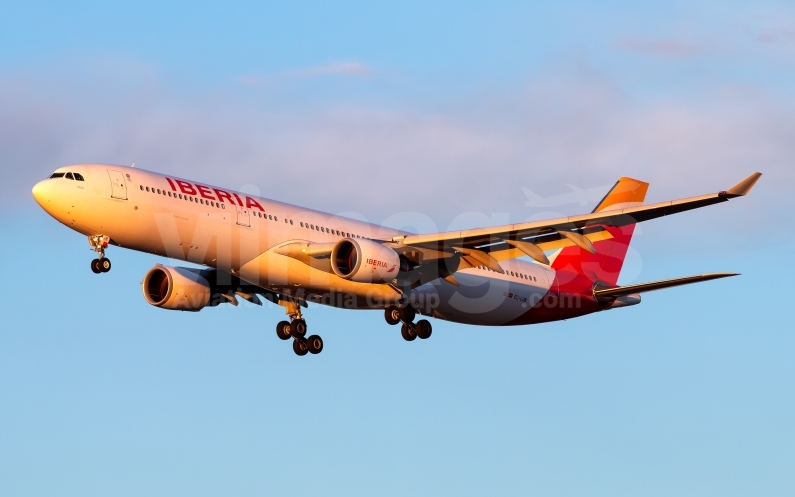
(605, 295)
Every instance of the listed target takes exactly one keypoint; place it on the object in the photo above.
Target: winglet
(744, 186)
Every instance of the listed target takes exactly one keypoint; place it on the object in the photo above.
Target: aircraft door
(117, 184)
(243, 216)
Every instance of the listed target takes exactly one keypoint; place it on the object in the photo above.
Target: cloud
(350, 68)
(659, 48)
(474, 155)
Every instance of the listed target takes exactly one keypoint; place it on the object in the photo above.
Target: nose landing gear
(98, 244)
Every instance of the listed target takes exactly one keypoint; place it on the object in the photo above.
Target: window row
(73, 176)
(189, 198)
(514, 274)
(219, 205)
(270, 217)
(331, 231)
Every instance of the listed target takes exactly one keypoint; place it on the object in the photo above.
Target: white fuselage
(237, 232)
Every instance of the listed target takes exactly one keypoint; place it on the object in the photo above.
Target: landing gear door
(243, 216)
(117, 184)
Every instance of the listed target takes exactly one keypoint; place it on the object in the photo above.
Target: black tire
(104, 265)
(407, 314)
(283, 330)
(392, 315)
(315, 344)
(95, 266)
(408, 331)
(298, 328)
(424, 329)
(300, 347)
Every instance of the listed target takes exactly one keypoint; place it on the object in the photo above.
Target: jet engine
(364, 261)
(176, 288)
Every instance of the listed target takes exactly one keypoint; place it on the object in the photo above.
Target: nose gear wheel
(98, 244)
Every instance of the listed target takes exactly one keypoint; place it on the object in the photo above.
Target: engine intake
(364, 261)
(176, 288)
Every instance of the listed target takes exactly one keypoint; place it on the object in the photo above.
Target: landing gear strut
(296, 329)
(98, 244)
(409, 331)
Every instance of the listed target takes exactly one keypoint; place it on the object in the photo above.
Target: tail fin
(605, 265)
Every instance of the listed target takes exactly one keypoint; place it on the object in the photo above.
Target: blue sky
(406, 113)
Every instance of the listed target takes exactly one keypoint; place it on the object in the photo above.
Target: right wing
(554, 233)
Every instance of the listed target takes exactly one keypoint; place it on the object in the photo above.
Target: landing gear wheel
(300, 347)
(95, 266)
(408, 331)
(424, 328)
(104, 265)
(298, 327)
(315, 344)
(407, 314)
(283, 330)
(392, 315)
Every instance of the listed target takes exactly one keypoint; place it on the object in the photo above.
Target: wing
(488, 245)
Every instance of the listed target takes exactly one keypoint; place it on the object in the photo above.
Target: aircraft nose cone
(40, 192)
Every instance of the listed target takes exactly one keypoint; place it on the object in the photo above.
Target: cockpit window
(79, 177)
(57, 175)
(69, 176)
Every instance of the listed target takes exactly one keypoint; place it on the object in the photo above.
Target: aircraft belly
(287, 275)
(482, 299)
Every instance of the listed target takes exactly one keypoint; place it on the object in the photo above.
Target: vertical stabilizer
(605, 265)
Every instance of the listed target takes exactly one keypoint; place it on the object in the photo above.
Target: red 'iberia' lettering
(223, 195)
(186, 188)
(171, 184)
(239, 202)
(250, 202)
(205, 192)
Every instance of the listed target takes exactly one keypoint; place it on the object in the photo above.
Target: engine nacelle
(176, 288)
(364, 261)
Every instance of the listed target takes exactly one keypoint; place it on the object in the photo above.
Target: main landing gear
(408, 330)
(296, 329)
(98, 244)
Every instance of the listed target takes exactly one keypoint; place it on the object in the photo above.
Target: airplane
(250, 247)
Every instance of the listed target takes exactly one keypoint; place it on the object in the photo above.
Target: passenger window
(147, 188)
(275, 218)
(57, 175)
(291, 221)
(158, 191)
(142, 187)
(79, 177)
(270, 217)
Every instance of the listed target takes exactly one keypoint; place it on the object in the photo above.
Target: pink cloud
(660, 48)
(348, 68)
(776, 35)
